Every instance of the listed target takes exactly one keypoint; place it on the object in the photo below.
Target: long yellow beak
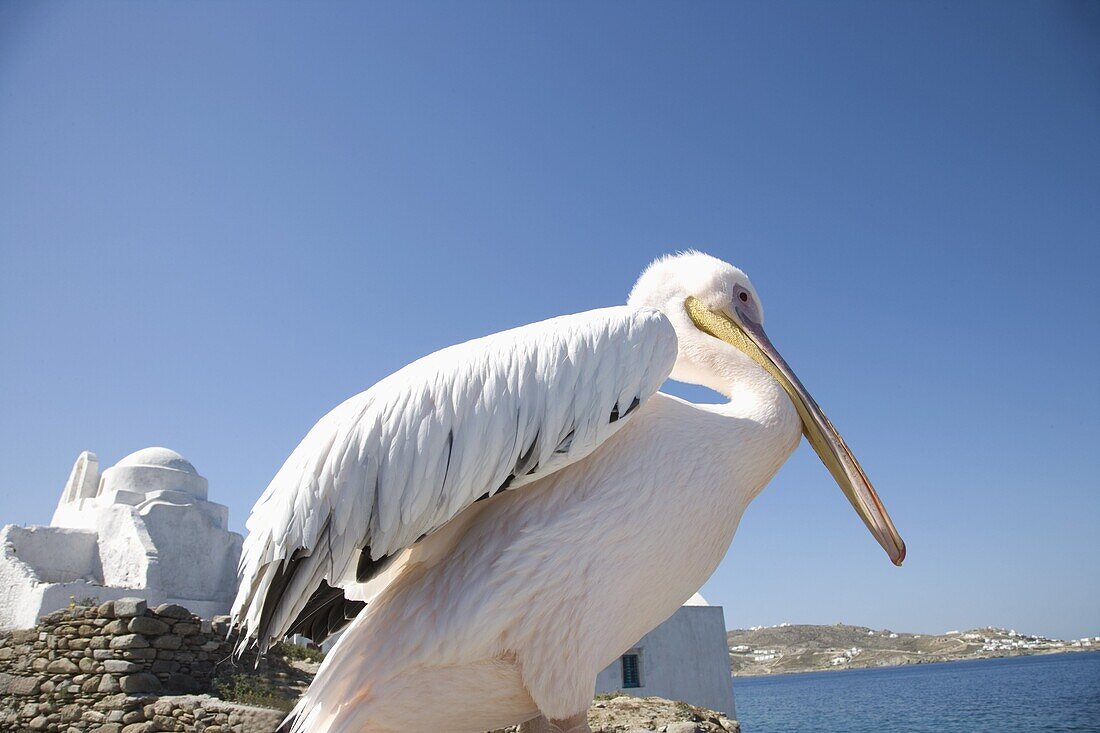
(750, 338)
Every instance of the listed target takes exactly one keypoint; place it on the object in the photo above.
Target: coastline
(830, 670)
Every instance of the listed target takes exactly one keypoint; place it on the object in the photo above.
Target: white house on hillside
(686, 658)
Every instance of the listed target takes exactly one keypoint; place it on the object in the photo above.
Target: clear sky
(218, 220)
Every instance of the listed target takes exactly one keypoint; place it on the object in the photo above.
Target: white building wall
(128, 555)
(685, 658)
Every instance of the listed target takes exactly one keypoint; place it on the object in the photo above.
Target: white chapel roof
(697, 600)
(159, 458)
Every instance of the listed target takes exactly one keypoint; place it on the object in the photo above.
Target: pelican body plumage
(490, 526)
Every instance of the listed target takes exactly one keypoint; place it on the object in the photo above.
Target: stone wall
(120, 668)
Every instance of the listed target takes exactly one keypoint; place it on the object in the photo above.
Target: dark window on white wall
(632, 670)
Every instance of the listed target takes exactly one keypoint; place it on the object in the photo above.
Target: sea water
(1056, 692)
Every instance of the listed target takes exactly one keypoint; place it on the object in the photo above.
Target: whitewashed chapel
(686, 658)
(144, 527)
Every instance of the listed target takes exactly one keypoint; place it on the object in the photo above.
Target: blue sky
(217, 220)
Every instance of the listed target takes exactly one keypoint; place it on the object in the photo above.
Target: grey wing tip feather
(327, 612)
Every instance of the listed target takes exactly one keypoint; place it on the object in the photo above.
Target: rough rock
(632, 714)
(129, 641)
(130, 607)
(171, 610)
(168, 641)
(121, 666)
(62, 666)
(13, 685)
(140, 682)
(683, 727)
(108, 685)
(148, 626)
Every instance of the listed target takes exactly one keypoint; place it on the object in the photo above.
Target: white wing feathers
(399, 460)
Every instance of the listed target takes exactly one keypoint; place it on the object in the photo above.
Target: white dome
(158, 458)
(152, 470)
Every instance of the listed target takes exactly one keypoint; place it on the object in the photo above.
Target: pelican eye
(743, 296)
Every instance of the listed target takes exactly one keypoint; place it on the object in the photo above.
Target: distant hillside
(806, 648)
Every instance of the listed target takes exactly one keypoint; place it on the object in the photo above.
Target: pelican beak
(748, 336)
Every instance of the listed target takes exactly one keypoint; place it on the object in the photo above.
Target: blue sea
(1058, 692)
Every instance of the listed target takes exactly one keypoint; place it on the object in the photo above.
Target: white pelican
(468, 615)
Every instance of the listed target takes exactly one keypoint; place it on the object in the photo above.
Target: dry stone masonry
(120, 667)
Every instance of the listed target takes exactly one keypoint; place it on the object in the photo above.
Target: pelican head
(719, 323)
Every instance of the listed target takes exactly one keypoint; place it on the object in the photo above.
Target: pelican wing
(400, 460)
